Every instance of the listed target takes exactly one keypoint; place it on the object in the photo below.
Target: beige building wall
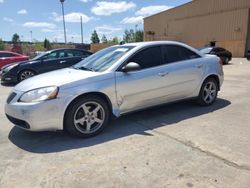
(201, 21)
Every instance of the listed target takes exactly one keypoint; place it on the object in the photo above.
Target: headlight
(40, 94)
(8, 68)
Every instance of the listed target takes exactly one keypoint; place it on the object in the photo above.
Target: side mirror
(132, 66)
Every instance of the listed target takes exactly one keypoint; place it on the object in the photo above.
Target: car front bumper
(7, 78)
(39, 116)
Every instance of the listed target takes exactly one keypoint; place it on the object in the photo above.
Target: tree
(15, 39)
(115, 40)
(104, 39)
(1, 44)
(94, 38)
(46, 44)
(139, 36)
(129, 35)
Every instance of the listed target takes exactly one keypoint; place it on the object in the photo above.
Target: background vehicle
(7, 58)
(112, 82)
(45, 62)
(224, 54)
(248, 54)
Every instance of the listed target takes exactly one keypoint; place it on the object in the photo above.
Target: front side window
(54, 55)
(149, 57)
(103, 59)
(175, 53)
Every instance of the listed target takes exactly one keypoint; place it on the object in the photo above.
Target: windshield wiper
(84, 68)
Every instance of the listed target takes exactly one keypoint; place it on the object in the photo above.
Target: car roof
(141, 44)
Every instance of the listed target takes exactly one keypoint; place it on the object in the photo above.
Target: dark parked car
(49, 61)
(7, 58)
(248, 54)
(224, 54)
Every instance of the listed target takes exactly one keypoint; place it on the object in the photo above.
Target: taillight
(221, 62)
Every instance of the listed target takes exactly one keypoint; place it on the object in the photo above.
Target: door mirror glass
(132, 66)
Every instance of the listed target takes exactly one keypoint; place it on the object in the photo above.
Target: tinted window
(174, 53)
(7, 55)
(54, 55)
(149, 57)
(76, 53)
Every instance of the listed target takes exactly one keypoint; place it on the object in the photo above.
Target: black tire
(203, 98)
(76, 112)
(25, 74)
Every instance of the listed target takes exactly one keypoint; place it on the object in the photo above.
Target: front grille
(11, 97)
(18, 122)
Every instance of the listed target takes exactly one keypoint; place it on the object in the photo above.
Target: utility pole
(65, 38)
(31, 36)
(81, 30)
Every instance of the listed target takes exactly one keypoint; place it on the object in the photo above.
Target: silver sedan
(117, 80)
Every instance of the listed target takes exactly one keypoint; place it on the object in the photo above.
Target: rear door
(183, 69)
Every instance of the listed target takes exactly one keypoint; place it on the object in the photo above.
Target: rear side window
(77, 53)
(175, 53)
(149, 57)
(7, 55)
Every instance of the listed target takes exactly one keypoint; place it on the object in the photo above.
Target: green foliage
(104, 39)
(46, 44)
(131, 36)
(1, 44)
(139, 36)
(128, 35)
(115, 40)
(94, 38)
(15, 39)
(39, 46)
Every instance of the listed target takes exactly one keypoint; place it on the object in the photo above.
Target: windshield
(103, 59)
(205, 50)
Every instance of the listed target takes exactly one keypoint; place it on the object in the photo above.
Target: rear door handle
(199, 66)
(162, 74)
(63, 61)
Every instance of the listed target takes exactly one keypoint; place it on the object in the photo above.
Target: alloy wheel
(89, 117)
(26, 74)
(209, 92)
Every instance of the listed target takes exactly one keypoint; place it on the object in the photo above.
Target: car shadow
(136, 123)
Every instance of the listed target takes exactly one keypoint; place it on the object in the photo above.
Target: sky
(37, 20)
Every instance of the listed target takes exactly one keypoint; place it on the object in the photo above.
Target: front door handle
(162, 74)
(199, 66)
(63, 61)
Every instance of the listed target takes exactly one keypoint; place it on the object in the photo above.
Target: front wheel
(87, 116)
(25, 74)
(208, 92)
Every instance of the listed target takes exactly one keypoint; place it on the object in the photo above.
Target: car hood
(55, 78)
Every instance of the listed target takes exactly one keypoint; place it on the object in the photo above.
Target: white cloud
(45, 30)
(105, 29)
(132, 20)
(22, 11)
(44, 25)
(71, 17)
(85, 1)
(143, 12)
(106, 8)
(150, 10)
(6, 19)
(1, 1)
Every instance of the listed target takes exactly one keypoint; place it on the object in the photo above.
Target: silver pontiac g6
(112, 82)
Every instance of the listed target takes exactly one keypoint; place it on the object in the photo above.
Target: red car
(11, 57)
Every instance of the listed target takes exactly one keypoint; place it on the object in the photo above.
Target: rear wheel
(25, 74)
(87, 116)
(208, 92)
